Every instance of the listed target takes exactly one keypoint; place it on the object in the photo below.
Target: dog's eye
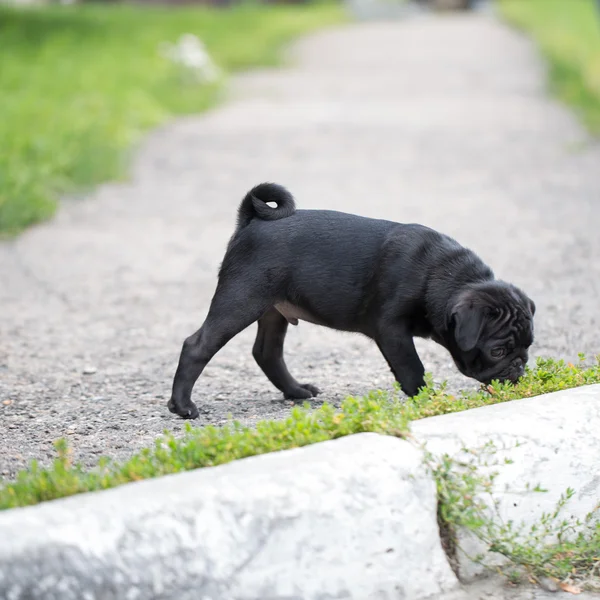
(498, 352)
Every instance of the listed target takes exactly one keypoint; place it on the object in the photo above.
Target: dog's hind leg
(235, 306)
(268, 353)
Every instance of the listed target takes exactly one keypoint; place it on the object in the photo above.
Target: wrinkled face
(493, 330)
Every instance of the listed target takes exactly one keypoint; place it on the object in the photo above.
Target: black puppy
(388, 281)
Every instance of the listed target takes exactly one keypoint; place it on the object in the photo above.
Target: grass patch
(81, 84)
(568, 33)
(377, 412)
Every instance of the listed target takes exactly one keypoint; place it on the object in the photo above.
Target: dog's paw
(302, 392)
(315, 391)
(187, 411)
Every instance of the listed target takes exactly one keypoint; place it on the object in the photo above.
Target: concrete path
(440, 120)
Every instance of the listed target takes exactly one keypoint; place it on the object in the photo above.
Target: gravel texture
(496, 588)
(443, 120)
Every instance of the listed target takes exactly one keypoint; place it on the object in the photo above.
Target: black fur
(389, 281)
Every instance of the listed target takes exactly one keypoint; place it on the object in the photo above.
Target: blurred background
(80, 81)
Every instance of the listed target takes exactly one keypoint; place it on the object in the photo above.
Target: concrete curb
(351, 518)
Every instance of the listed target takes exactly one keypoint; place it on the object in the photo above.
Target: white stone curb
(353, 518)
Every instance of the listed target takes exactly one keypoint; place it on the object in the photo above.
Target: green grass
(80, 85)
(568, 33)
(209, 446)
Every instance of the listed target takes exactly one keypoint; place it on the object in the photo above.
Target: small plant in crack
(561, 548)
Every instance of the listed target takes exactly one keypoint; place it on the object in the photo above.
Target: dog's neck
(449, 286)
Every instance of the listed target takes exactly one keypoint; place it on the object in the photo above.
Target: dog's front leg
(398, 348)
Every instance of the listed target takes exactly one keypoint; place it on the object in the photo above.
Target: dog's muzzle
(513, 372)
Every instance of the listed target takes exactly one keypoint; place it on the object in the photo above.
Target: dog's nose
(519, 370)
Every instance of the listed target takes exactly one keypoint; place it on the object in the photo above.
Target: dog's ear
(531, 306)
(469, 320)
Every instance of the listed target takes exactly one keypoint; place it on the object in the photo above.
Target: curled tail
(254, 204)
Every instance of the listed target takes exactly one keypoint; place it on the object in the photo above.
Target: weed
(564, 549)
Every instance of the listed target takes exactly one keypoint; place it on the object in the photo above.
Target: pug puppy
(389, 281)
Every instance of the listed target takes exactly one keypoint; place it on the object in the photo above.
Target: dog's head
(492, 328)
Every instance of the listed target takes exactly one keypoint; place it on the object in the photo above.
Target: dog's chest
(294, 313)
(420, 326)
